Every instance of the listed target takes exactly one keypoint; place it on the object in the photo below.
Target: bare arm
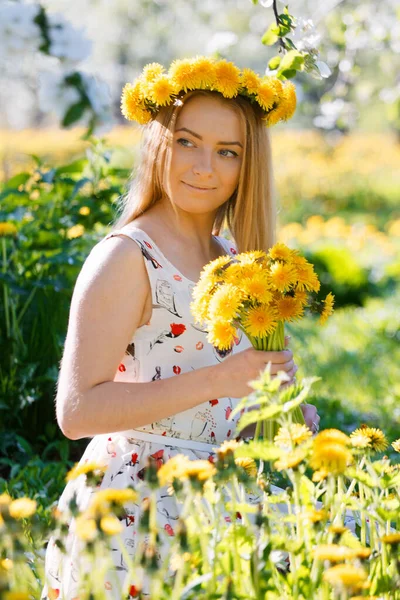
(106, 309)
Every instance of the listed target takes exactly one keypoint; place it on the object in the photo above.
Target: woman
(135, 364)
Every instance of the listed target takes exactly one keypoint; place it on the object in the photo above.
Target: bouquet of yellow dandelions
(257, 292)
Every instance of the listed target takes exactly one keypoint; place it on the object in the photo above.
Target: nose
(203, 166)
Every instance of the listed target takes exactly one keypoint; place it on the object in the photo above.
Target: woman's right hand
(237, 370)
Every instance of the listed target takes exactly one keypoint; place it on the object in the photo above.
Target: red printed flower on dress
(176, 329)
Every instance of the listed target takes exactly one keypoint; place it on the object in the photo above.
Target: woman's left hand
(311, 417)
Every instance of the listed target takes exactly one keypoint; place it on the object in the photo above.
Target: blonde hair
(249, 214)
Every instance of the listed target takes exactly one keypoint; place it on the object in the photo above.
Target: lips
(200, 188)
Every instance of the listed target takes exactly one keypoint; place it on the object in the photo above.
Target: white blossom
(221, 41)
(18, 32)
(66, 42)
(305, 37)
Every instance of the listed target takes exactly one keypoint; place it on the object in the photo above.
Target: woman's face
(207, 152)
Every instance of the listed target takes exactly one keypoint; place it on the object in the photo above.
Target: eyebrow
(200, 138)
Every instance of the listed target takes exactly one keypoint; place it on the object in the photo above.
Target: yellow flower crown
(154, 88)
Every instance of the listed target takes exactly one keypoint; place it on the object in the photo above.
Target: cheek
(232, 173)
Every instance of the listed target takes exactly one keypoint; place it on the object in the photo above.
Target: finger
(287, 339)
(286, 367)
(277, 357)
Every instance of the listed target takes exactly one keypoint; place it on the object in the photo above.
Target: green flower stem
(5, 289)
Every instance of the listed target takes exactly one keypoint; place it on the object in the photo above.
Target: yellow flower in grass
(221, 334)
(280, 252)
(328, 308)
(16, 596)
(75, 231)
(396, 445)
(6, 564)
(248, 464)
(333, 553)
(22, 508)
(334, 436)
(227, 447)
(84, 210)
(112, 496)
(227, 78)
(282, 276)
(290, 460)
(260, 321)
(5, 499)
(225, 303)
(292, 435)
(289, 309)
(86, 528)
(392, 539)
(199, 469)
(375, 437)
(84, 469)
(256, 288)
(315, 516)
(330, 457)
(203, 72)
(267, 93)
(174, 468)
(7, 230)
(161, 90)
(111, 525)
(250, 80)
(346, 576)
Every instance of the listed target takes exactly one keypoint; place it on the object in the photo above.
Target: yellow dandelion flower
(334, 436)
(280, 252)
(333, 553)
(396, 445)
(85, 528)
(22, 508)
(200, 470)
(84, 469)
(250, 80)
(248, 464)
(84, 210)
(112, 496)
(182, 74)
(364, 598)
(227, 78)
(301, 296)
(151, 72)
(161, 90)
(16, 596)
(346, 576)
(292, 435)
(174, 468)
(6, 564)
(282, 276)
(290, 460)
(328, 308)
(392, 539)
(362, 553)
(221, 334)
(330, 457)
(251, 257)
(225, 303)
(75, 231)
(5, 499)
(260, 321)
(289, 309)
(203, 72)
(267, 93)
(359, 441)
(286, 106)
(257, 288)
(132, 106)
(320, 475)
(306, 278)
(111, 525)
(8, 230)
(227, 447)
(375, 437)
(315, 516)
(216, 267)
(337, 529)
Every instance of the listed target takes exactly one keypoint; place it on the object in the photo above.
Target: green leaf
(292, 60)
(75, 167)
(73, 114)
(259, 449)
(18, 180)
(274, 62)
(287, 73)
(271, 36)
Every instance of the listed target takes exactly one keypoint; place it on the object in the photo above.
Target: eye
(233, 153)
(184, 142)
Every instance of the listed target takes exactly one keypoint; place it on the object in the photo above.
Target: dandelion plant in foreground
(257, 292)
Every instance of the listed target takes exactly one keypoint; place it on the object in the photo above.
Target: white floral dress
(167, 346)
